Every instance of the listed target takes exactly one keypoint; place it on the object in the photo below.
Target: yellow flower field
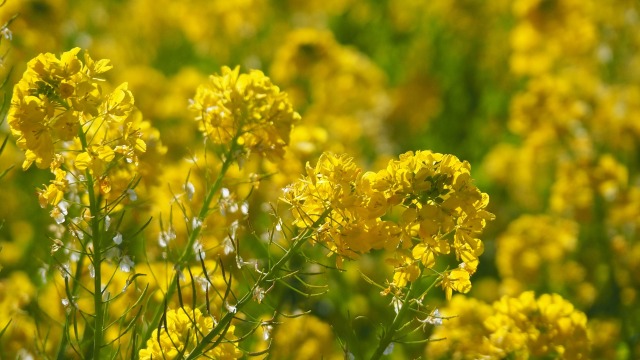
(338, 179)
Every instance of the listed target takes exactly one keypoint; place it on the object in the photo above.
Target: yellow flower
(62, 120)
(438, 199)
(456, 279)
(304, 337)
(42, 107)
(405, 270)
(185, 328)
(546, 34)
(462, 334)
(118, 105)
(520, 327)
(548, 326)
(353, 225)
(440, 209)
(533, 252)
(54, 192)
(247, 108)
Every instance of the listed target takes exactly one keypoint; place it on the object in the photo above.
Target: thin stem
(263, 280)
(62, 347)
(390, 332)
(188, 251)
(96, 236)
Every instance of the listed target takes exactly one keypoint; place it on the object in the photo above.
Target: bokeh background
(541, 97)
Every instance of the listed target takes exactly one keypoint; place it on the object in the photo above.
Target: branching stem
(188, 251)
(263, 282)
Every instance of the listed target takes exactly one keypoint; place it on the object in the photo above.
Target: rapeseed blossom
(440, 210)
(303, 337)
(182, 331)
(519, 327)
(16, 293)
(534, 250)
(245, 108)
(341, 91)
(65, 119)
(54, 98)
(545, 91)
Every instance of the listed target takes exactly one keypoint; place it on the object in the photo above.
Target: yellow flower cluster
(576, 117)
(550, 106)
(305, 338)
(437, 205)
(246, 108)
(441, 209)
(353, 226)
(183, 329)
(548, 325)
(63, 120)
(462, 334)
(533, 252)
(568, 123)
(52, 101)
(16, 294)
(519, 327)
(341, 91)
(567, 22)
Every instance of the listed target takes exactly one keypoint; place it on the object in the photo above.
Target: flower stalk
(390, 333)
(96, 236)
(262, 281)
(188, 251)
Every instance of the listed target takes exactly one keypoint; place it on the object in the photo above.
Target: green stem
(62, 347)
(195, 232)
(262, 282)
(96, 237)
(398, 321)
